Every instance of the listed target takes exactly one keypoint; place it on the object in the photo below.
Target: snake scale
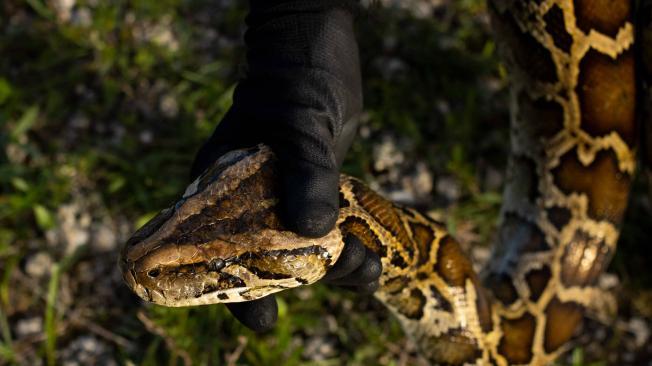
(573, 137)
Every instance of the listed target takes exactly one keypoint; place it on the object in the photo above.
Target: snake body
(573, 155)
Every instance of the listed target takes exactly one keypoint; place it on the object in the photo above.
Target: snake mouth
(245, 277)
(174, 287)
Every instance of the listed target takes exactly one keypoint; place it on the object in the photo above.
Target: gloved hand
(301, 96)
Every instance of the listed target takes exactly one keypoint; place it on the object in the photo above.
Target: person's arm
(301, 96)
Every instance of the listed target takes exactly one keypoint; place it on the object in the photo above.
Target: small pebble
(641, 331)
(449, 188)
(29, 326)
(87, 350)
(104, 238)
(38, 265)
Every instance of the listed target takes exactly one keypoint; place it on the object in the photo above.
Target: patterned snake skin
(573, 156)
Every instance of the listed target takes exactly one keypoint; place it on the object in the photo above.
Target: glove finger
(310, 178)
(350, 259)
(343, 142)
(366, 289)
(258, 315)
(369, 271)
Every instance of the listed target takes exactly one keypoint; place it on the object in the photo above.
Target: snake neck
(427, 282)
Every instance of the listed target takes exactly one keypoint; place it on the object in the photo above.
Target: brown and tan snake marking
(573, 156)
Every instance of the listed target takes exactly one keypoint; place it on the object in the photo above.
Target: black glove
(301, 96)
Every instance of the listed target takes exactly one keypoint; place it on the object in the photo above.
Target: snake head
(167, 279)
(223, 240)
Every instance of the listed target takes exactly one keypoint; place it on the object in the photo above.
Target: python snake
(573, 137)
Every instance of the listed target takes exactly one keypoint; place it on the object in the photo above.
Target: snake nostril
(154, 273)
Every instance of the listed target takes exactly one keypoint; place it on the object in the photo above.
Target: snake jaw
(228, 270)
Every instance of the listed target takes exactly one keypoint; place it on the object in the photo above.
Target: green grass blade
(50, 316)
(6, 354)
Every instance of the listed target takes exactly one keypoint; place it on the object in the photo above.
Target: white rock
(38, 265)
(75, 224)
(641, 331)
(386, 154)
(169, 106)
(146, 137)
(63, 8)
(29, 326)
(104, 237)
(608, 281)
(449, 188)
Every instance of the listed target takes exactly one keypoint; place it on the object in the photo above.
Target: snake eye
(154, 273)
(216, 264)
